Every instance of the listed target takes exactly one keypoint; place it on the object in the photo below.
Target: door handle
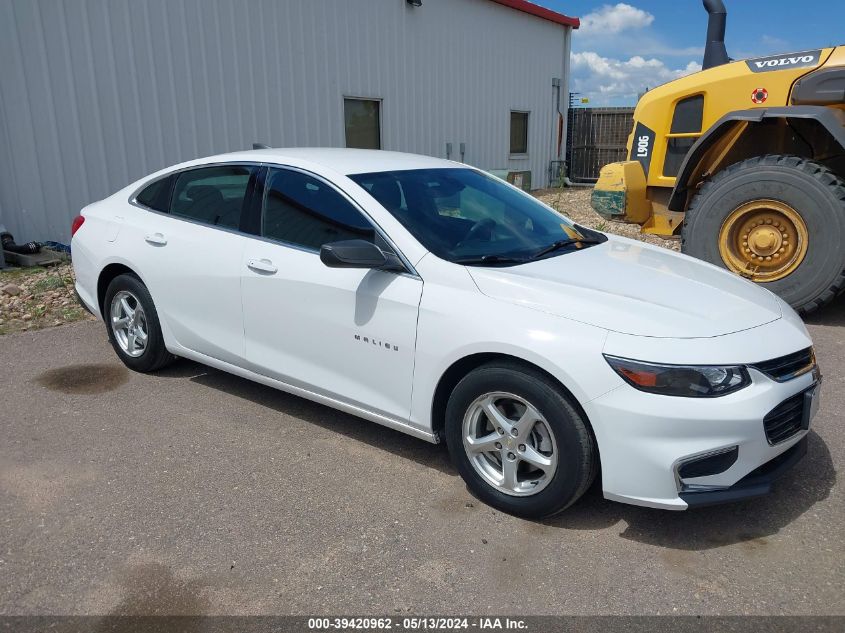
(262, 266)
(156, 239)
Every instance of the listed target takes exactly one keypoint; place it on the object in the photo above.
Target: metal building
(97, 93)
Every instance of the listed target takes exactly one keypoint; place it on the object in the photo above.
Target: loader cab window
(688, 115)
(685, 130)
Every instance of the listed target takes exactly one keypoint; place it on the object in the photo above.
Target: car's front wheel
(133, 327)
(518, 441)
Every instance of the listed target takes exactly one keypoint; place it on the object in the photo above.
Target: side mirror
(353, 254)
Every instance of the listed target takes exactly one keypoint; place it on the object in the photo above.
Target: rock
(34, 301)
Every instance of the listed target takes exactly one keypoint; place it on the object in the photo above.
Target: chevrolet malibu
(437, 300)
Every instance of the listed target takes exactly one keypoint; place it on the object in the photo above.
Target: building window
(363, 123)
(519, 132)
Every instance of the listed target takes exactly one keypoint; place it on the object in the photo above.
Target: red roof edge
(541, 12)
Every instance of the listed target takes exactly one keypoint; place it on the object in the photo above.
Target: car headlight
(688, 381)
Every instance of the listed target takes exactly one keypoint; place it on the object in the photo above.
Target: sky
(622, 48)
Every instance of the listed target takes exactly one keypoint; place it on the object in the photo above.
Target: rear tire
(535, 470)
(806, 187)
(133, 326)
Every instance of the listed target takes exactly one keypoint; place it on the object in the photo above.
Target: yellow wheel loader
(745, 162)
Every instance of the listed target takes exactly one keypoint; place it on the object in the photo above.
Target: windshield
(467, 217)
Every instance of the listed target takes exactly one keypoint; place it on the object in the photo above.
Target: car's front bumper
(645, 440)
(755, 484)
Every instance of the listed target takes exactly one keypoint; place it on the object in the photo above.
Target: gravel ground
(35, 298)
(574, 203)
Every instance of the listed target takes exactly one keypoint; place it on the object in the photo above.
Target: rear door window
(212, 195)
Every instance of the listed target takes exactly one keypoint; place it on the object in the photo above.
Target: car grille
(784, 420)
(789, 366)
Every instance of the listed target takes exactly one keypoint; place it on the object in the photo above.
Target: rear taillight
(77, 222)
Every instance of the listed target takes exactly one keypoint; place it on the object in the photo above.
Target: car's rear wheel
(133, 325)
(518, 441)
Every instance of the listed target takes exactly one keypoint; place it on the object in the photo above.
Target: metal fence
(596, 137)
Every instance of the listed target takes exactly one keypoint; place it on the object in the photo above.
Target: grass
(72, 314)
(14, 275)
(48, 283)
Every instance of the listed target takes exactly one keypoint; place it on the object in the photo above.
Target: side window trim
(252, 212)
(380, 232)
(171, 184)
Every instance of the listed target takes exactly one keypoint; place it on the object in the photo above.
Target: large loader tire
(777, 220)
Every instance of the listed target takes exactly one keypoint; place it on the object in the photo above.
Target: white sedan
(437, 300)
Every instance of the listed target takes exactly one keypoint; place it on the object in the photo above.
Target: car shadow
(831, 314)
(358, 429)
(809, 482)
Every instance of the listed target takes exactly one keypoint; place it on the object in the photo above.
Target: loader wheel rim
(763, 240)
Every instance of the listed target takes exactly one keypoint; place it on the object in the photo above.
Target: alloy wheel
(129, 323)
(510, 444)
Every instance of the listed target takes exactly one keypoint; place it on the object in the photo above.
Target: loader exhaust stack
(715, 53)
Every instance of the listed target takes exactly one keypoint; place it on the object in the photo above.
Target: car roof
(339, 159)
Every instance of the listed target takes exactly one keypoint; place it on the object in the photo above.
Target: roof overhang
(541, 12)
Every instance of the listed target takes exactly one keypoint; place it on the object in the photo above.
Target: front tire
(133, 326)
(777, 220)
(518, 441)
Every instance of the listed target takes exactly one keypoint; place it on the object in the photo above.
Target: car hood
(634, 288)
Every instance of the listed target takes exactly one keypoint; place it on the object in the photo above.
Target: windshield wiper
(489, 259)
(564, 243)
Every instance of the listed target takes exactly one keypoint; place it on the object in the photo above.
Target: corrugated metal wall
(97, 93)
